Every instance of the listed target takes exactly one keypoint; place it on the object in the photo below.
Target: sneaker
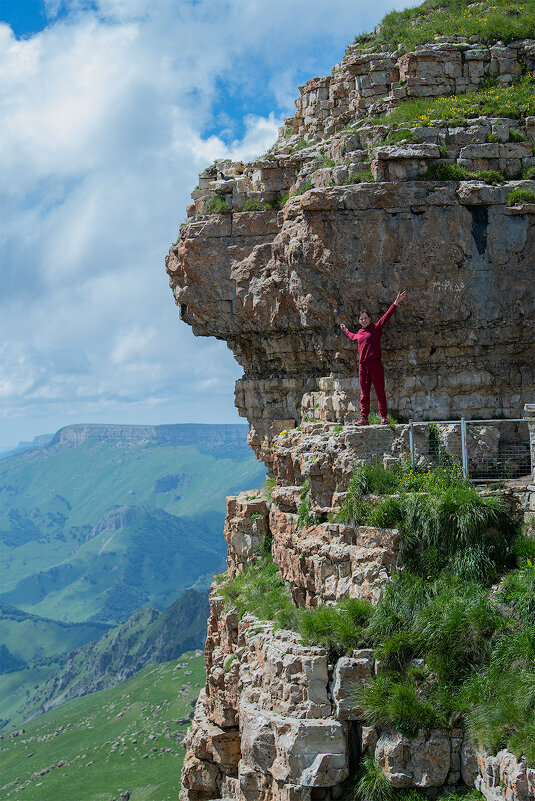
(362, 422)
(385, 421)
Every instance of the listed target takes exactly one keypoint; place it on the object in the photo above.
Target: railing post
(464, 450)
(411, 443)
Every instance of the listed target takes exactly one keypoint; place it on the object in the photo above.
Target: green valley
(125, 739)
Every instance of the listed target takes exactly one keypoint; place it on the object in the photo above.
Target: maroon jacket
(369, 338)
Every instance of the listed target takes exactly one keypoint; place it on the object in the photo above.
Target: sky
(110, 109)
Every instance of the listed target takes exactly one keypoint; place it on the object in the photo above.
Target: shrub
(519, 196)
(302, 144)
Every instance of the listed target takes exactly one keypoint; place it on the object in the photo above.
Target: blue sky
(111, 108)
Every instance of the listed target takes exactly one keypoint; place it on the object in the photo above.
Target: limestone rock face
(337, 218)
(458, 343)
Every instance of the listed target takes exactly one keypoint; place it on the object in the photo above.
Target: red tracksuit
(371, 369)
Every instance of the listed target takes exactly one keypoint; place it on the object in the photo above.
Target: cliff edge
(409, 167)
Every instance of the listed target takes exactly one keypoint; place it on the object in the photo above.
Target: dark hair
(365, 311)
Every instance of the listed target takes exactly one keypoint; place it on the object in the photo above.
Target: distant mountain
(37, 442)
(105, 519)
(148, 637)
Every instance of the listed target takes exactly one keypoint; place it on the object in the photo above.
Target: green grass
(454, 172)
(305, 186)
(503, 20)
(216, 205)
(83, 732)
(362, 177)
(519, 196)
(371, 783)
(515, 101)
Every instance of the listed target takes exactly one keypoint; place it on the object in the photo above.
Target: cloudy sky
(110, 109)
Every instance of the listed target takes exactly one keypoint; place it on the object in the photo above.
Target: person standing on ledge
(371, 369)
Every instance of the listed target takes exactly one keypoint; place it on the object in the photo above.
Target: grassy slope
(87, 729)
(492, 20)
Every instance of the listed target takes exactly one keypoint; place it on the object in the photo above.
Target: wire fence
(488, 450)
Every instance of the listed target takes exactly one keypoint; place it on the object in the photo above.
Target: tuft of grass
(336, 626)
(216, 205)
(371, 783)
(454, 172)
(519, 196)
(261, 592)
(302, 144)
(395, 701)
(362, 177)
(269, 485)
(305, 186)
(516, 136)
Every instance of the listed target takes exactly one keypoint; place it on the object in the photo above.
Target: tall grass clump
(339, 626)
(261, 592)
(371, 783)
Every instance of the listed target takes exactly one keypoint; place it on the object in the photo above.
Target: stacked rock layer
(337, 217)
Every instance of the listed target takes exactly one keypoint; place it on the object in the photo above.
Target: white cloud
(102, 139)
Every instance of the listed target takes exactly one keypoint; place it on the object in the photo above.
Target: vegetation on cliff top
(491, 20)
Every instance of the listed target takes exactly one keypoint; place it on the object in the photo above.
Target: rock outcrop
(337, 216)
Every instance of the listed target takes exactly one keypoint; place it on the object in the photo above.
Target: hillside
(148, 637)
(107, 743)
(102, 520)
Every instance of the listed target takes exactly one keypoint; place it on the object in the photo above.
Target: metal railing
(485, 453)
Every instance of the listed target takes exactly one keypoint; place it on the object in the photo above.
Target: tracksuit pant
(372, 372)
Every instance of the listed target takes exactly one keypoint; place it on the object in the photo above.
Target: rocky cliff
(350, 205)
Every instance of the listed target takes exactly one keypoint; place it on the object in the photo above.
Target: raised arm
(347, 332)
(386, 317)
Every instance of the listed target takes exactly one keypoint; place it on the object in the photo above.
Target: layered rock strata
(277, 720)
(356, 228)
(340, 215)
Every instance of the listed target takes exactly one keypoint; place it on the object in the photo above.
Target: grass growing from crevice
(503, 20)
(519, 196)
(216, 205)
(515, 101)
(362, 177)
(454, 172)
